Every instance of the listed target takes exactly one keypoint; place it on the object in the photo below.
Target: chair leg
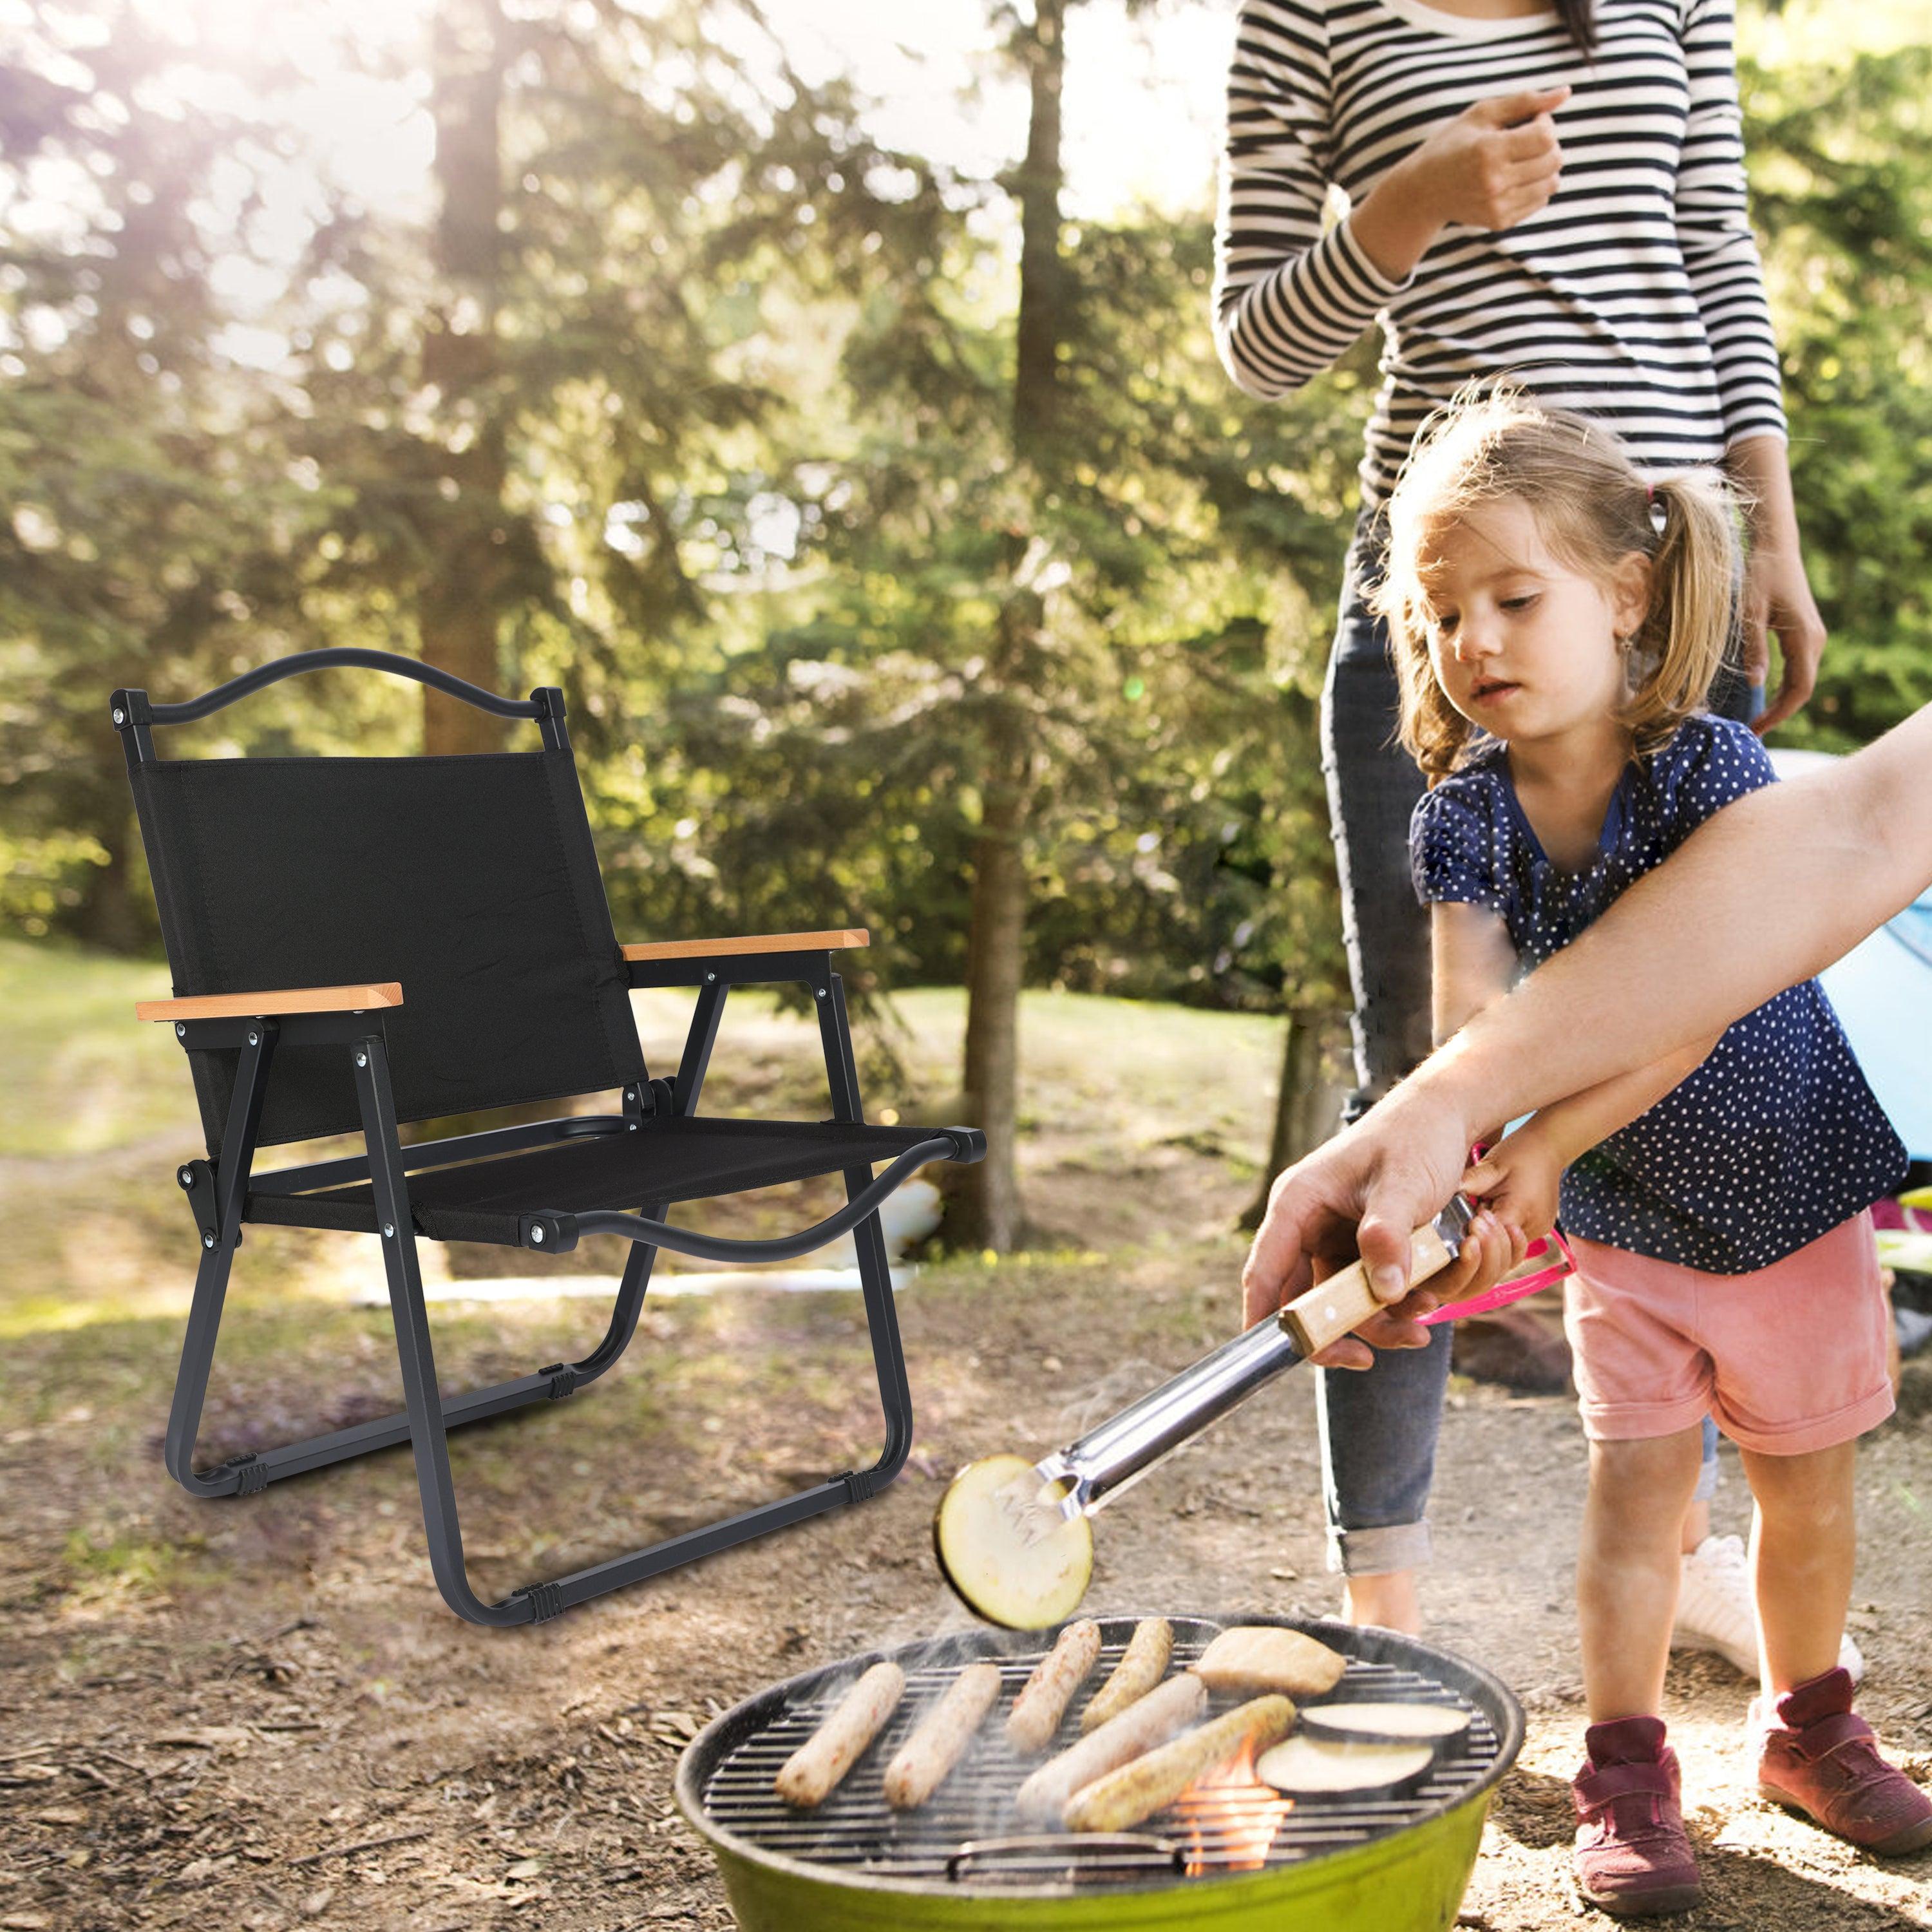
(415, 1354)
(537, 1603)
(637, 1278)
(427, 1418)
(246, 1475)
(685, 1088)
(204, 1322)
(211, 1281)
(875, 1280)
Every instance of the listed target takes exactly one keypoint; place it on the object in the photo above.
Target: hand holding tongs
(1003, 1531)
(1118, 1452)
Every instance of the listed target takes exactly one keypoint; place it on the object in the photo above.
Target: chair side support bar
(218, 1242)
(875, 1280)
(542, 1231)
(427, 1419)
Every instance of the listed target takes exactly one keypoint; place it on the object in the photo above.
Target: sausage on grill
(1038, 1709)
(1145, 1663)
(1147, 1722)
(811, 1770)
(922, 1762)
(1121, 1800)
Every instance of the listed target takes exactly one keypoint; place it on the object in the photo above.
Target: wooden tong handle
(1332, 1308)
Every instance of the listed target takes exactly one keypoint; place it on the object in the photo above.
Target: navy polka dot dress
(1777, 1138)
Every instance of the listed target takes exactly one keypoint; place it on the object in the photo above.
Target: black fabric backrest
(473, 880)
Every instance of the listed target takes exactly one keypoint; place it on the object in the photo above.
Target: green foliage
(1164, 674)
(720, 401)
(145, 522)
(1842, 180)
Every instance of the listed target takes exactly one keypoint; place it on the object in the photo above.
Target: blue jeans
(1379, 1426)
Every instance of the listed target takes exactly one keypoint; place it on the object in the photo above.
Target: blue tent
(1883, 991)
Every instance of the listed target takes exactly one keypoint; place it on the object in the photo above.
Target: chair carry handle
(135, 708)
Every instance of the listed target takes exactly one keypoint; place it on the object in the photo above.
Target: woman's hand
(1497, 163)
(1777, 598)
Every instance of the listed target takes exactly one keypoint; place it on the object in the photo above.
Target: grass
(1142, 1123)
(1142, 1118)
(84, 1075)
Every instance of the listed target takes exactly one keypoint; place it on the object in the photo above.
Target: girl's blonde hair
(1593, 508)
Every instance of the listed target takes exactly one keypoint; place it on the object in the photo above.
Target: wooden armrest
(763, 942)
(288, 1000)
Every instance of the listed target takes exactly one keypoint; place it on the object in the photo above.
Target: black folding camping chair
(357, 942)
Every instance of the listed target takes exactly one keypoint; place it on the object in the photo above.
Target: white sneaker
(1713, 1604)
(1714, 1612)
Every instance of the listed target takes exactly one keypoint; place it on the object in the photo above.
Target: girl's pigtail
(1689, 626)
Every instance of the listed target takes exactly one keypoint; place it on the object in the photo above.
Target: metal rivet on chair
(536, 1233)
(709, 977)
(389, 1231)
(208, 1240)
(361, 1059)
(185, 1176)
(120, 716)
(180, 1031)
(821, 992)
(254, 1039)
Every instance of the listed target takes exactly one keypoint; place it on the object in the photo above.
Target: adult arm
(1473, 961)
(1293, 290)
(1767, 892)
(1727, 277)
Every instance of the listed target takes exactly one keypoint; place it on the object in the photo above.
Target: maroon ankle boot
(1633, 1859)
(1817, 1756)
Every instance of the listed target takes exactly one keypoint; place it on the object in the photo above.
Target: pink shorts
(1789, 1359)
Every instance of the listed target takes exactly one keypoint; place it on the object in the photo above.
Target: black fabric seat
(666, 1159)
(357, 943)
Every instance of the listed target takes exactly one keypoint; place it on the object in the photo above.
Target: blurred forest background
(877, 501)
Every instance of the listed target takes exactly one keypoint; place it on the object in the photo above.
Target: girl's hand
(1486, 1252)
(1517, 1181)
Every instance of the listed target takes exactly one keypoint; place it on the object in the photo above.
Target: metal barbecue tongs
(985, 1551)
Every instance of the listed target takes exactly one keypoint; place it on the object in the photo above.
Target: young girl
(1557, 621)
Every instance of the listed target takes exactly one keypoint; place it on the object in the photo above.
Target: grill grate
(968, 1834)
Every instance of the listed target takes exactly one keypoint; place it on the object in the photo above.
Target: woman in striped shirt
(1554, 193)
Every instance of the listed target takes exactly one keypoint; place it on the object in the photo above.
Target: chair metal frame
(218, 1193)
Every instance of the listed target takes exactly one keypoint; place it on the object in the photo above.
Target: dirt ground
(258, 1714)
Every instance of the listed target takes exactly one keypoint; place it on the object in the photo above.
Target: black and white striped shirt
(1635, 294)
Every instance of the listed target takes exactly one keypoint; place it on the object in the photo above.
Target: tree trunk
(109, 916)
(1042, 282)
(459, 604)
(1305, 1102)
(988, 1211)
